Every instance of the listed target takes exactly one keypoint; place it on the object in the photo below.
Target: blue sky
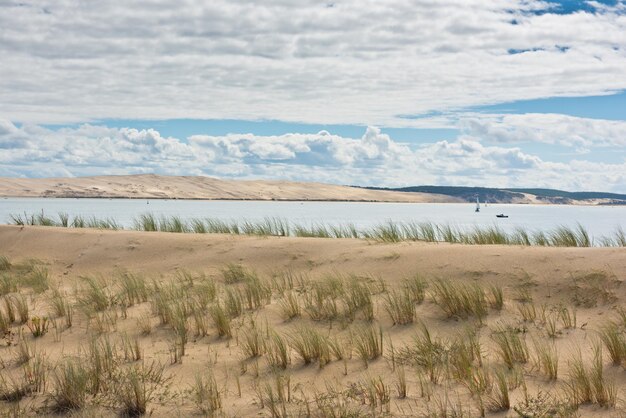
(519, 93)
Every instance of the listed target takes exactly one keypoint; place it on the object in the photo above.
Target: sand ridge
(151, 186)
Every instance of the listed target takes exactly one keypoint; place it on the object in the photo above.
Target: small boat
(502, 215)
(477, 205)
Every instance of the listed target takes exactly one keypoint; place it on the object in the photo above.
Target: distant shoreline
(192, 188)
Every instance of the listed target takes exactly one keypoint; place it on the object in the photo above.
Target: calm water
(599, 220)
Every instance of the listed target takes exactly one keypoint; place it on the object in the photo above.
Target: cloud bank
(481, 156)
(345, 61)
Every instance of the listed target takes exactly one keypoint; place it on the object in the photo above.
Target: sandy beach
(538, 285)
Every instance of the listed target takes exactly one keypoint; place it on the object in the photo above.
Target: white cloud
(374, 159)
(580, 133)
(346, 61)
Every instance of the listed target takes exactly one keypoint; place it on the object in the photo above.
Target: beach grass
(386, 232)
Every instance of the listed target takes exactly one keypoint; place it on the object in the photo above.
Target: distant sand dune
(150, 186)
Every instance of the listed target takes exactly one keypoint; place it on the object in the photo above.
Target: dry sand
(587, 280)
(196, 187)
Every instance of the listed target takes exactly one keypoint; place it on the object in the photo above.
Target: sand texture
(542, 288)
(152, 186)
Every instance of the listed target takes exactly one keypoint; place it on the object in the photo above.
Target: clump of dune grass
(377, 394)
(416, 287)
(146, 222)
(289, 306)
(496, 299)
(320, 301)
(256, 292)
(400, 307)
(528, 311)
(5, 324)
(233, 303)
(21, 307)
(61, 307)
(252, 341)
(221, 321)
(310, 345)
(564, 236)
(37, 279)
(98, 295)
(387, 232)
(137, 386)
(499, 400)
(511, 348)
(357, 299)
(71, 383)
(276, 396)
(459, 300)
(5, 264)
(463, 356)
(487, 236)
(235, 273)
(547, 359)
(426, 352)
(614, 340)
(206, 394)
(133, 289)
(588, 384)
(278, 355)
(368, 342)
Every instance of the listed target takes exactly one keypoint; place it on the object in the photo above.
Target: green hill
(489, 194)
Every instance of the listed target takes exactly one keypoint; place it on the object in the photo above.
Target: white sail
(477, 204)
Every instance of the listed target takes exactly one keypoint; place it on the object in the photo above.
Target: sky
(392, 93)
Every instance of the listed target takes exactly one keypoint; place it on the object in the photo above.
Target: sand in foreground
(340, 289)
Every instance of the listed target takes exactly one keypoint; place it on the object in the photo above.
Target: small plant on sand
(588, 384)
(61, 307)
(233, 302)
(528, 311)
(357, 298)
(416, 288)
(400, 307)
(276, 396)
(205, 393)
(252, 342)
(38, 279)
(278, 355)
(5, 264)
(235, 273)
(256, 292)
(499, 399)
(546, 359)
(38, 326)
(221, 321)
(97, 296)
(459, 300)
(368, 342)
(71, 382)
(137, 386)
(289, 306)
(23, 352)
(21, 306)
(615, 342)
(496, 300)
(426, 352)
(511, 348)
(310, 345)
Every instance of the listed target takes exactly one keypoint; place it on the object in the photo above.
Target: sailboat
(477, 205)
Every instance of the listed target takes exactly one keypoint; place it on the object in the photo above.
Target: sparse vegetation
(250, 334)
(390, 231)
